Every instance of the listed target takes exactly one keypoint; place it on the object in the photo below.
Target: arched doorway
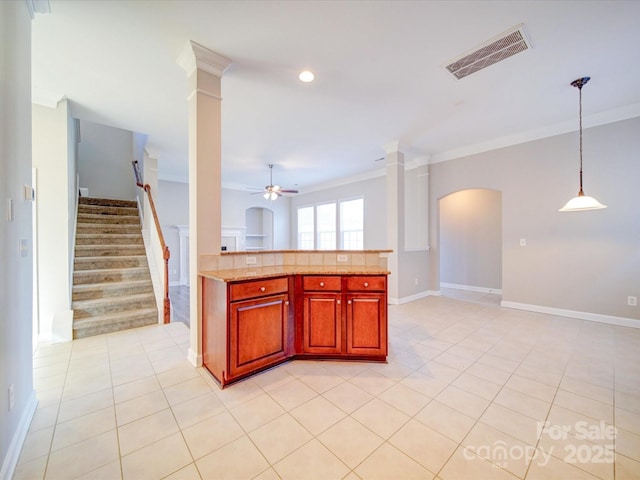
(471, 245)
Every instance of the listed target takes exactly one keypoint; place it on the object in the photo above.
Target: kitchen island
(255, 318)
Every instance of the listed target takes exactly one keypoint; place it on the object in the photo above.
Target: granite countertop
(238, 274)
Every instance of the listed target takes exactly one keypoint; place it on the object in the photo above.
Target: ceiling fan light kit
(581, 202)
(271, 191)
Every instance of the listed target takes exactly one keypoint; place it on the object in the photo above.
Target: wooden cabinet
(248, 326)
(345, 315)
(255, 328)
(322, 314)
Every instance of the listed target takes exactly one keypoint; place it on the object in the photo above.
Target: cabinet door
(322, 323)
(366, 323)
(257, 333)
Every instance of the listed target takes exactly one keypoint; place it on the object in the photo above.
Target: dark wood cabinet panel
(366, 324)
(258, 333)
(322, 323)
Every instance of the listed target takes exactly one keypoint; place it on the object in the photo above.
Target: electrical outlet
(251, 260)
(632, 301)
(523, 242)
(12, 398)
(343, 258)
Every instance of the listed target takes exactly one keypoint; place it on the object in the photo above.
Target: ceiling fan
(271, 191)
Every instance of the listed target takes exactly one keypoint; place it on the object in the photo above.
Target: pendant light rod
(579, 83)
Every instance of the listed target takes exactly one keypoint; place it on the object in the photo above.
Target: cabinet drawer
(365, 283)
(321, 283)
(258, 288)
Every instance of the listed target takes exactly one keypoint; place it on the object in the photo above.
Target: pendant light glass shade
(582, 201)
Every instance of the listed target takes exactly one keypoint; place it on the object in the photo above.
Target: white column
(204, 70)
(395, 215)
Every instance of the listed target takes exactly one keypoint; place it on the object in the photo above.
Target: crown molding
(195, 56)
(38, 6)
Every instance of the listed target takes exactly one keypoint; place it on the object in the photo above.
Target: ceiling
(380, 77)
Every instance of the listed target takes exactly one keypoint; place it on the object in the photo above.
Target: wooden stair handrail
(165, 249)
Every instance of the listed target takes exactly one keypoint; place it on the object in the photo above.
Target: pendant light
(582, 201)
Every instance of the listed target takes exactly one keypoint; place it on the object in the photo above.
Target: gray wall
(104, 161)
(578, 261)
(15, 270)
(173, 209)
(471, 239)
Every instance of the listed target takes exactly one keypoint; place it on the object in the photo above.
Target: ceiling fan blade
(289, 191)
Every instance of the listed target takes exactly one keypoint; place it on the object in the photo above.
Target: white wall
(578, 261)
(104, 161)
(53, 158)
(471, 239)
(15, 269)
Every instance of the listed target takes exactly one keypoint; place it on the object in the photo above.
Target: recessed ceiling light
(306, 76)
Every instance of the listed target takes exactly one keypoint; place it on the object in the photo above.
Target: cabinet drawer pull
(322, 284)
(349, 302)
(262, 289)
(366, 284)
(286, 302)
(338, 302)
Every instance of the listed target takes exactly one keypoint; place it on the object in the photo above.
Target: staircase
(112, 287)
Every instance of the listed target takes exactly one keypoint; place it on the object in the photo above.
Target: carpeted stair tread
(103, 306)
(108, 323)
(107, 210)
(108, 228)
(106, 250)
(88, 291)
(109, 239)
(124, 261)
(105, 219)
(107, 202)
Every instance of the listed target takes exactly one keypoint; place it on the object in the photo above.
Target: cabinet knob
(366, 284)
(262, 289)
(322, 284)
(349, 302)
(338, 302)
(286, 302)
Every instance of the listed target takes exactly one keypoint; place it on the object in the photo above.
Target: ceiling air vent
(493, 51)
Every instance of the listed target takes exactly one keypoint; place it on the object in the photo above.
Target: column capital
(393, 147)
(195, 56)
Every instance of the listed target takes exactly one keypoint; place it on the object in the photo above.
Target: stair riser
(104, 210)
(80, 278)
(115, 239)
(80, 331)
(108, 219)
(95, 263)
(102, 251)
(116, 306)
(111, 291)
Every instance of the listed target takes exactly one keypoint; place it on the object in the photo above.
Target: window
(332, 226)
(352, 224)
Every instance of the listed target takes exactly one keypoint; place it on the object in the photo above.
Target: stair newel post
(167, 303)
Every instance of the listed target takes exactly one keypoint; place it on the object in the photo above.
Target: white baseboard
(194, 358)
(15, 447)
(411, 298)
(471, 288)
(592, 317)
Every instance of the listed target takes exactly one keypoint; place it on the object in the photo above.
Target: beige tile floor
(471, 391)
